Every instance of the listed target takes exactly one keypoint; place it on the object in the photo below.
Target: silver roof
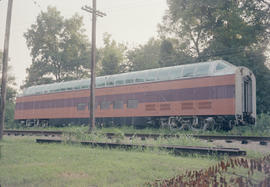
(202, 69)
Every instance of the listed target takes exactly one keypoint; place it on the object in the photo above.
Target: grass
(184, 140)
(25, 163)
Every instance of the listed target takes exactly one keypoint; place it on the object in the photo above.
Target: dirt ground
(251, 145)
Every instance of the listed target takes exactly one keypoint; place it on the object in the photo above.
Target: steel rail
(32, 132)
(204, 137)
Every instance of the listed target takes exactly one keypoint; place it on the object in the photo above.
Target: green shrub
(263, 123)
(261, 128)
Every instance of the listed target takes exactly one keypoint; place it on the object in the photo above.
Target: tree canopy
(236, 31)
(111, 57)
(220, 25)
(144, 56)
(59, 48)
(11, 94)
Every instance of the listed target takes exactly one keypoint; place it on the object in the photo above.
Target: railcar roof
(202, 69)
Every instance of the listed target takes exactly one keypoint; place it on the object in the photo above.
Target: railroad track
(244, 139)
(32, 133)
(177, 150)
(204, 137)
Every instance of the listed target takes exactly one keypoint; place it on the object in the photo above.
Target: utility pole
(94, 13)
(4, 69)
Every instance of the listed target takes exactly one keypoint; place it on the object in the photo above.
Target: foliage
(145, 56)
(263, 124)
(59, 48)
(236, 31)
(261, 128)
(225, 173)
(112, 57)
(10, 96)
(199, 24)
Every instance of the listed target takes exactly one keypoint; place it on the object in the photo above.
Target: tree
(10, 97)
(223, 24)
(170, 56)
(156, 53)
(111, 57)
(59, 48)
(145, 56)
(237, 31)
(187, 21)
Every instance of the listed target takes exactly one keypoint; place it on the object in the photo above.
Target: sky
(132, 22)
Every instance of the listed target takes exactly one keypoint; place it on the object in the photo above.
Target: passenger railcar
(203, 95)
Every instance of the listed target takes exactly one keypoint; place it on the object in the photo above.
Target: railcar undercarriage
(193, 123)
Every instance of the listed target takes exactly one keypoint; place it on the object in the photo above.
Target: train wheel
(209, 124)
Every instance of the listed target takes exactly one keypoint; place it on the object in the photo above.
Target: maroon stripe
(201, 93)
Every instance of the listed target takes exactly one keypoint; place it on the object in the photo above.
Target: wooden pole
(92, 125)
(4, 69)
(95, 13)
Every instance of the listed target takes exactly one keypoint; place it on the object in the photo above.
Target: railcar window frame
(139, 80)
(85, 86)
(100, 85)
(163, 75)
(100, 82)
(188, 71)
(118, 104)
(201, 70)
(176, 73)
(109, 83)
(220, 67)
(105, 105)
(132, 103)
(129, 81)
(151, 76)
(81, 106)
(88, 106)
(119, 82)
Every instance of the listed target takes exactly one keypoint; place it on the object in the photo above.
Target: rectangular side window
(119, 82)
(81, 106)
(163, 75)
(129, 81)
(118, 104)
(109, 83)
(188, 71)
(139, 80)
(105, 105)
(175, 73)
(100, 84)
(132, 103)
(203, 70)
(96, 105)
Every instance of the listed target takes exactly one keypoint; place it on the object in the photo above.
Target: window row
(160, 74)
(155, 75)
(132, 103)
